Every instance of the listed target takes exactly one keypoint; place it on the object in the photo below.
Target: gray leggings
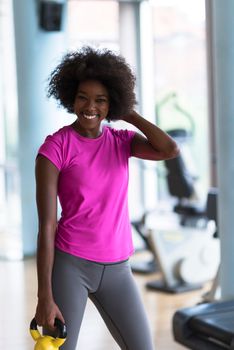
(111, 288)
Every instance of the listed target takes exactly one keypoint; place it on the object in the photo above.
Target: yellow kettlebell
(47, 342)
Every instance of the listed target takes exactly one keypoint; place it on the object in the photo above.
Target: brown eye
(80, 97)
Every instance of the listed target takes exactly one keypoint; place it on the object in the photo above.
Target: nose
(90, 105)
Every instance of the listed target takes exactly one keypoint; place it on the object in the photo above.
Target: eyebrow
(99, 95)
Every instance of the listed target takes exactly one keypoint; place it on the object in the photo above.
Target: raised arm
(156, 145)
(46, 197)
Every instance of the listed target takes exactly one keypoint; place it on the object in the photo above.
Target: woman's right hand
(46, 313)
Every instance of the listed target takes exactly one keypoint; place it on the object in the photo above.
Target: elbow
(173, 152)
(46, 230)
(176, 151)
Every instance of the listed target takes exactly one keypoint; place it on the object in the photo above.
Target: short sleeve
(126, 137)
(52, 149)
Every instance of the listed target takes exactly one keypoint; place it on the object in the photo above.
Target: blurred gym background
(181, 52)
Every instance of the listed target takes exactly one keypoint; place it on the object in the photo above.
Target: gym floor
(18, 300)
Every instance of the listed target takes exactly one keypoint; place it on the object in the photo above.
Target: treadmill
(208, 326)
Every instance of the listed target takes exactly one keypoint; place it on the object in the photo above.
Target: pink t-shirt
(93, 193)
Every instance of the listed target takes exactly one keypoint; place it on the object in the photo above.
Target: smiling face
(91, 107)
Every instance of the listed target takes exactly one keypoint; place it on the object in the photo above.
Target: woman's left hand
(129, 118)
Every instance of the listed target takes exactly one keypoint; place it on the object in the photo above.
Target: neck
(89, 133)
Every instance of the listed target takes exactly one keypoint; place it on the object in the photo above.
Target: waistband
(91, 261)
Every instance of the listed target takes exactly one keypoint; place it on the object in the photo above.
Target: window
(93, 23)
(180, 74)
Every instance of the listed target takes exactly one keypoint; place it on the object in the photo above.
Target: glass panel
(181, 77)
(93, 23)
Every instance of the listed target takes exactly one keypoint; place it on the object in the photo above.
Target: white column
(148, 95)
(211, 94)
(223, 38)
(37, 53)
(129, 38)
(136, 45)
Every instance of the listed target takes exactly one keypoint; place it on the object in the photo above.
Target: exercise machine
(181, 186)
(183, 241)
(149, 265)
(188, 256)
(181, 182)
(208, 326)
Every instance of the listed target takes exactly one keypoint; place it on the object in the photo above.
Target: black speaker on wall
(51, 13)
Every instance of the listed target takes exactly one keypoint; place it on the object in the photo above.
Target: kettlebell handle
(60, 326)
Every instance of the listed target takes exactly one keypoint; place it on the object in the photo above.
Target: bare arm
(46, 197)
(156, 145)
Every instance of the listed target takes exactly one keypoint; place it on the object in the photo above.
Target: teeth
(90, 116)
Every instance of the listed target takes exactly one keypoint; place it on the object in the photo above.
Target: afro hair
(104, 66)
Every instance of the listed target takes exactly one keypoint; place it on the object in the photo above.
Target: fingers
(46, 322)
(46, 314)
(59, 315)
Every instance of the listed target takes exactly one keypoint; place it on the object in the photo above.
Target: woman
(85, 254)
